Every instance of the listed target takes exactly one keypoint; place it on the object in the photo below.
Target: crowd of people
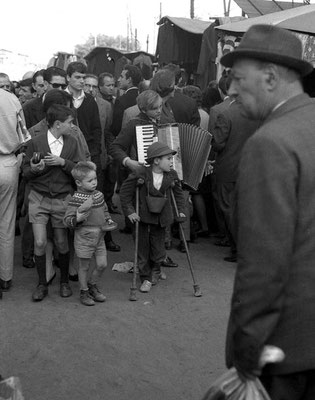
(257, 198)
(73, 116)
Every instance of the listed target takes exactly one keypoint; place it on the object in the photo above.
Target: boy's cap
(158, 149)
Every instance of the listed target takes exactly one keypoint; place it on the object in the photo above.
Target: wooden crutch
(197, 290)
(133, 288)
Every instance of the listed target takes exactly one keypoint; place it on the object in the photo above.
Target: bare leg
(100, 265)
(84, 265)
(50, 269)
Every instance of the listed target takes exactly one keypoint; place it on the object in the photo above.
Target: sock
(64, 267)
(40, 262)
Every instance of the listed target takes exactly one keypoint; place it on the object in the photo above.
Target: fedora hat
(158, 149)
(270, 43)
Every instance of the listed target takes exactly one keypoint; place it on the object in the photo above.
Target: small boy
(49, 159)
(155, 209)
(87, 213)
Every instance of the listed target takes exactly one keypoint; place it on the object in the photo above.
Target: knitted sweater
(98, 214)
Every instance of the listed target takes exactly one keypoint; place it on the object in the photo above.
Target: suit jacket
(105, 111)
(128, 190)
(184, 108)
(121, 104)
(129, 114)
(33, 111)
(89, 122)
(274, 291)
(230, 132)
(53, 181)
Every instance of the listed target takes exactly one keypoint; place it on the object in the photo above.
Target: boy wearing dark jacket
(155, 209)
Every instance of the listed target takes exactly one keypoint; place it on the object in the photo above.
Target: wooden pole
(192, 9)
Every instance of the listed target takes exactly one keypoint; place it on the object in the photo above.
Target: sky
(38, 30)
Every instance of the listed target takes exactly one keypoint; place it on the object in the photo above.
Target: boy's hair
(76, 66)
(148, 100)
(163, 82)
(57, 112)
(38, 73)
(134, 73)
(194, 92)
(50, 72)
(81, 169)
(175, 69)
(56, 96)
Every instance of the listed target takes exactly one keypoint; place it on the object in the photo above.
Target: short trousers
(42, 209)
(89, 241)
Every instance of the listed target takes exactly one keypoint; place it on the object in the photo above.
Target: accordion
(192, 143)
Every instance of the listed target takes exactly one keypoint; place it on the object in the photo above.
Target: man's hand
(133, 165)
(182, 215)
(52, 160)
(134, 217)
(37, 167)
(209, 167)
(247, 376)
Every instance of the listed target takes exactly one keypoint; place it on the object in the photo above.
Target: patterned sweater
(98, 213)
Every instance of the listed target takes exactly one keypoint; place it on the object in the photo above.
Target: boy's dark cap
(158, 149)
(273, 44)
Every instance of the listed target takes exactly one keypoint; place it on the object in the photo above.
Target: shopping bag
(229, 386)
(10, 389)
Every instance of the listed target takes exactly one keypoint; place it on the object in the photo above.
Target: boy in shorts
(50, 158)
(155, 209)
(87, 213)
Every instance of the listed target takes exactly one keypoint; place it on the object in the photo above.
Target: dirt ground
(167, 345)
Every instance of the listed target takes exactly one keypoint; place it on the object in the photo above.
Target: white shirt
(55, 145)
(77, 101)
(157, 180)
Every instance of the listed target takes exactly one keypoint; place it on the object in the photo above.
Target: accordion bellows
(192, 143)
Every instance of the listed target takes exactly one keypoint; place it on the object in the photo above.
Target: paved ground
(168, 345)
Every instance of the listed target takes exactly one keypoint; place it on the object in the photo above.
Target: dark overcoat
(274, 291)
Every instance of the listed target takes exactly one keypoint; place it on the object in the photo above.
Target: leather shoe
(112, 246)
(5, 285)
(65, 290)
(40, 292)
(169, 263)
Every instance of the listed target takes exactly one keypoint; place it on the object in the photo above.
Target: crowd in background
(104, 111)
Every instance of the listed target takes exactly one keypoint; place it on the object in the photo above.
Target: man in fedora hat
(273, 301)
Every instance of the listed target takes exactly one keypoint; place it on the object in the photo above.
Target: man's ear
(77, 182)
(271, 75)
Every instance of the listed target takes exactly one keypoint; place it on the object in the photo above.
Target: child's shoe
(86, 299)
(158, 276)
(95, 293)
(145, 287)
